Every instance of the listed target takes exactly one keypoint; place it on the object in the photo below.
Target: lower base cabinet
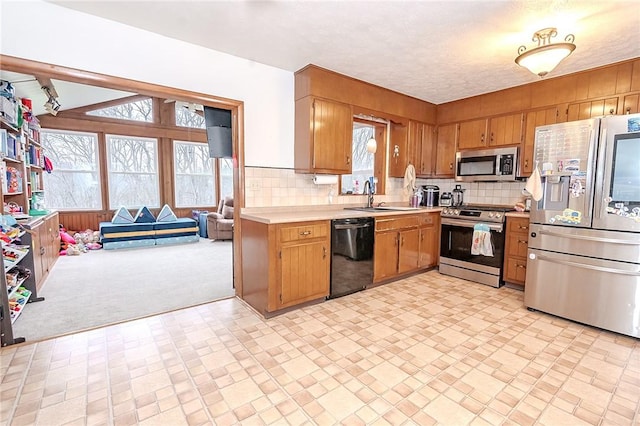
(45, 244)
(515, 251)
(405, 244)
(284, 265)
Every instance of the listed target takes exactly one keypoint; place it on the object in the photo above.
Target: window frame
(380, 156)
(58, 168)
(109, 173)
(214, 174)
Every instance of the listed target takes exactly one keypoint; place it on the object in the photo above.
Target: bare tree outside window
(75, 181)
(140, 110)
(226, 177)
(194, 175)
(363, 160)
(133, 172)
(187, 118)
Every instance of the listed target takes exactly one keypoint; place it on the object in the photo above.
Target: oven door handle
(470, 224)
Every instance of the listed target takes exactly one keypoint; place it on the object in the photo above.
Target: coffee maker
(430, 195)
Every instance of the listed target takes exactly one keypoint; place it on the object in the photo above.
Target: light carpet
(109, 286)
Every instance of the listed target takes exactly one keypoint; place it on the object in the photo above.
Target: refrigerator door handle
(588, 238)
(600, 178)
(586, 266)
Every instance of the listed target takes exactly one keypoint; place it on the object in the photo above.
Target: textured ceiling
(437, 51)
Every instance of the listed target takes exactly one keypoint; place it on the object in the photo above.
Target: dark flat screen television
(218, 126)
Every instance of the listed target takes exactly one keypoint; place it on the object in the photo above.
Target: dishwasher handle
(351, 226)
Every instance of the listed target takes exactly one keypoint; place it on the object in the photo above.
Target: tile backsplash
(272, 187)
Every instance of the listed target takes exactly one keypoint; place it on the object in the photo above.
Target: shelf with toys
(27, 247)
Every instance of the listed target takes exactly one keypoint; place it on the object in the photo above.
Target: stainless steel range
(457, 256)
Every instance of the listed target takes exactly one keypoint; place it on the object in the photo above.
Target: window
(188, 116)
(226, 177)
(194, 175)
(75, 183)
(139, 110)
(363, 161)
(133, 172)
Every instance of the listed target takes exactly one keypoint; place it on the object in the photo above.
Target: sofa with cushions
(220, 223)
(126, 231)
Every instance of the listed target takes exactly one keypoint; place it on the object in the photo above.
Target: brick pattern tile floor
(425, 350)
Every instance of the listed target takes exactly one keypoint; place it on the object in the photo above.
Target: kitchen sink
(382, 208)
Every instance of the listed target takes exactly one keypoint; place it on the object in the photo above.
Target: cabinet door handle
(520, 266)
(522, 227)
(348, 160)
(41, 250)
(450, 166)
(303, 233)
(526, 162)
(522, 242)
(324, 252)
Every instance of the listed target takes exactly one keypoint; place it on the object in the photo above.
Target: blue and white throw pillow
(122, 215)
(166, 215)
(144, 215)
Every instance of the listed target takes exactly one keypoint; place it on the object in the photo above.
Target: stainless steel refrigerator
(584, 243)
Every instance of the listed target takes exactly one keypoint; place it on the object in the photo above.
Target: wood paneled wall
(364, 97)
(610, 80)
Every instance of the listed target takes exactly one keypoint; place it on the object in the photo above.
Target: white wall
(48, 33)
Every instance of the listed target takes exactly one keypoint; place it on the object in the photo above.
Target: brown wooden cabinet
(399, 156)
(408, 250)
(405, 244)
(422, 144)
(533, 119)
(630, 104)
(429, 250)
(45, 243)
(446, 150)
(285, 264)
(323, 135)
(594, 108)
(472, 134)
(304, 252)
(515, 253)
(506, 130)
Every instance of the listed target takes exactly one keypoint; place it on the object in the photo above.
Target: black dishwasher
(351, 255)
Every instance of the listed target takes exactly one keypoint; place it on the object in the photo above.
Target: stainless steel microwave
(495, 164)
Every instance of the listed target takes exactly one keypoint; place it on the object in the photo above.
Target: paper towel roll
(325, 179)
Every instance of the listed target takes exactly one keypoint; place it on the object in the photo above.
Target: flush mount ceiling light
(541, 60)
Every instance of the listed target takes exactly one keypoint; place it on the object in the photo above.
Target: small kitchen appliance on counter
(458, 196)
(430, 195)
(446, 199)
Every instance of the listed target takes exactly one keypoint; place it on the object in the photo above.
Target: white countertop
(517, 214)
(307, 213)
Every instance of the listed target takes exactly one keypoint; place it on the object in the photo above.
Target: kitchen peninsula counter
(273, 215)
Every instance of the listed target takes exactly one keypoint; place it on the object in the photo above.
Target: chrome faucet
(368, 189)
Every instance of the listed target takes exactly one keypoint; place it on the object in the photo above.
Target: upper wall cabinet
(506, 130)
(472, 134)
(446, 150)
(399, 156)
(422, 138)
(323, 134)
(533, 120)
